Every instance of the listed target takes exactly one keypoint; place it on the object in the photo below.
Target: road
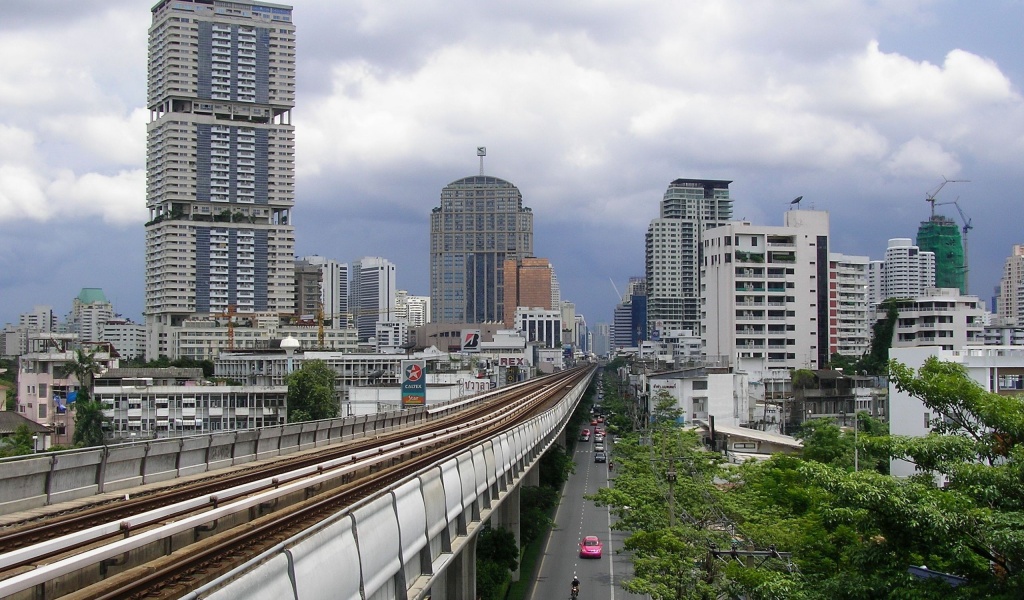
(599, 578)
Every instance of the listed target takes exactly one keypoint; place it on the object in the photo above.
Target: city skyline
(860, 109)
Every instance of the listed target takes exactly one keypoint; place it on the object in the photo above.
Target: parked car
(591, 547)
(600, 457)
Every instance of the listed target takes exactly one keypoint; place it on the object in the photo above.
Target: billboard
(414, 383)
(471, 340)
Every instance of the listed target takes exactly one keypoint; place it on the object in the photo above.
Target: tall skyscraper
(480, 224)
(850, 316)
(372, 294)
(673, 250)
(1010, 305)
(90, 310)
(528, 283)
(941, 236)
(414, 310)
(333, 289)
(307, 290)
(766, 293)
(906, 272)
(220, 163)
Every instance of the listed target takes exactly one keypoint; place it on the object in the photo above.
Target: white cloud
(21, 195)
(119, 199)
(921, 158)
(16, 144)
(106, 138)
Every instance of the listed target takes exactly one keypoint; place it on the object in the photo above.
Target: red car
(593, 421)
(590, 547)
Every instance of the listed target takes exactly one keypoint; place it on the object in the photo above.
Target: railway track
(167, 543)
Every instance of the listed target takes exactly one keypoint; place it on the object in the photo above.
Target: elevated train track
(170, 541)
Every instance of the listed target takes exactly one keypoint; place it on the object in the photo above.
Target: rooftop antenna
(481, 151)
(796, 202)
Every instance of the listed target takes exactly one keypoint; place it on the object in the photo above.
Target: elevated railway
(169, 541)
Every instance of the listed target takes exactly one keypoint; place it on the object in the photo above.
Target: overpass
(416, 540)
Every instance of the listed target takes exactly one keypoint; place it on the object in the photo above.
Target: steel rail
(32, 531)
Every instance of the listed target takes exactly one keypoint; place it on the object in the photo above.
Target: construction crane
(967, 227)
(350, 319)
(931, 195)
(229, 314)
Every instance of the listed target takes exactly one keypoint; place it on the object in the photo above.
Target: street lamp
(35, 444)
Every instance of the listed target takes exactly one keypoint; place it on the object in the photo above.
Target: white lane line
(547, 546)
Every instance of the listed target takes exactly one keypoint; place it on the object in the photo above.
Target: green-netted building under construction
(942, 236)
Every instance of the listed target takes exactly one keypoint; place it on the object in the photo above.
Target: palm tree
(88, 414)
(83, 368)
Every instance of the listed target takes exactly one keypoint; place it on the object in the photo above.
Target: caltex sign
(414, 383)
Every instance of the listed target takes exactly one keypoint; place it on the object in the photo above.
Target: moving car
(591, 547)
(599, 447)
(598, 437)
(600, 457)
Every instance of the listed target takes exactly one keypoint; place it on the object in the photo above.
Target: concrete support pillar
(532, 477)
(508, 517)
(460, 581)
(562, 438)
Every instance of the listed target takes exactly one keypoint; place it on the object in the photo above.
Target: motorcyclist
(575, 585)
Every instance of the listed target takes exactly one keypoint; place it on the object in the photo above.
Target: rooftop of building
(91, 296)
(192, 373)
(10, 421)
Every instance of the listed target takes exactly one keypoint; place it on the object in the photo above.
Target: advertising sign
(471, 340)
(414, 383)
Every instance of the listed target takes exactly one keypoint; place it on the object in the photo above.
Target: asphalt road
(575, 518)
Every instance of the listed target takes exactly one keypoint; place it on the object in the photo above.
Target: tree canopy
(838, 534)
(311, 392)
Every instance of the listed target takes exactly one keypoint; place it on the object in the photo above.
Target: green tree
(497, 555)
(311, 392)
(89, 421)
(876, 360)
(83, 367)
(824, 442)
(88, 414)
(19, 443)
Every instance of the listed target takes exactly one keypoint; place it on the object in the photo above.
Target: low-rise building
(143, 403)
(938, 317)
(44, 381)
(997, 369)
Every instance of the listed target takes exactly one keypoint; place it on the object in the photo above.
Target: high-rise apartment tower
(480, 224)
(372, 294)
(673, 250)
(766, 293)
(219, 163)
(1010, 305)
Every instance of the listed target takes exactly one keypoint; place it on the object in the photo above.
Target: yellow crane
(350, 319)
(229, 314)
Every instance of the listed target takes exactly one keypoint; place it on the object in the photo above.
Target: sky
(591, 108)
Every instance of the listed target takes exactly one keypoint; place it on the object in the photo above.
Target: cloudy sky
(590, 107)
